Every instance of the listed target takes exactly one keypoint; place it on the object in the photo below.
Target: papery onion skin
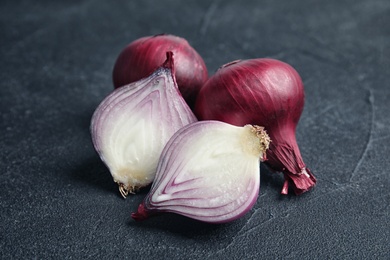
(266, 92)
(208, 171)
(142, 56)
(131, 126)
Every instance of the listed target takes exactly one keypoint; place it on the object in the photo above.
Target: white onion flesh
(131, 126)
(208, 171)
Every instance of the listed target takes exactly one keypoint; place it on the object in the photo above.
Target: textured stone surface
(58, 199)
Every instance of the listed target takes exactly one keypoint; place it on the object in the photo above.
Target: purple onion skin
(264, 92)
(142, 56)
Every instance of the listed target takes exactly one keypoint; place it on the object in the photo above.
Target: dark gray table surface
(58, 200)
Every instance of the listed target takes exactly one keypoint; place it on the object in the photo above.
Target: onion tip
(141, 214)
(229, 64)
(169, 62)
(301, 183)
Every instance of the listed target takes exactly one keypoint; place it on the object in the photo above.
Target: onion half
(208, 171)
(131, 126)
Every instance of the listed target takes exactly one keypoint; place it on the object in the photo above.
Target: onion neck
(144, 211)
(230, 64)
(285, 157)
(300, 182)
(141, 213)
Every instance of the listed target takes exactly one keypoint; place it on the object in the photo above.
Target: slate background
(58, 200)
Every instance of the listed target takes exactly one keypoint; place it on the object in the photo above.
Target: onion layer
(208, 171)
(265, 92)
(131, 126)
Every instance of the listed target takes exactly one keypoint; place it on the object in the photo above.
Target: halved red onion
(208, 171)
(131, 126)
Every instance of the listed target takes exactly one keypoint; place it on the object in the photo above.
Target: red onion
(208, 171)
(143, 56)
(131, 126)
(265, 92)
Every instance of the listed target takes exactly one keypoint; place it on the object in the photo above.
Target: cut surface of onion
(208, 171)
(131, 126)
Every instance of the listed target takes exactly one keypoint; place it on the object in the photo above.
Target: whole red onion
(142, 56)
(264, 92)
